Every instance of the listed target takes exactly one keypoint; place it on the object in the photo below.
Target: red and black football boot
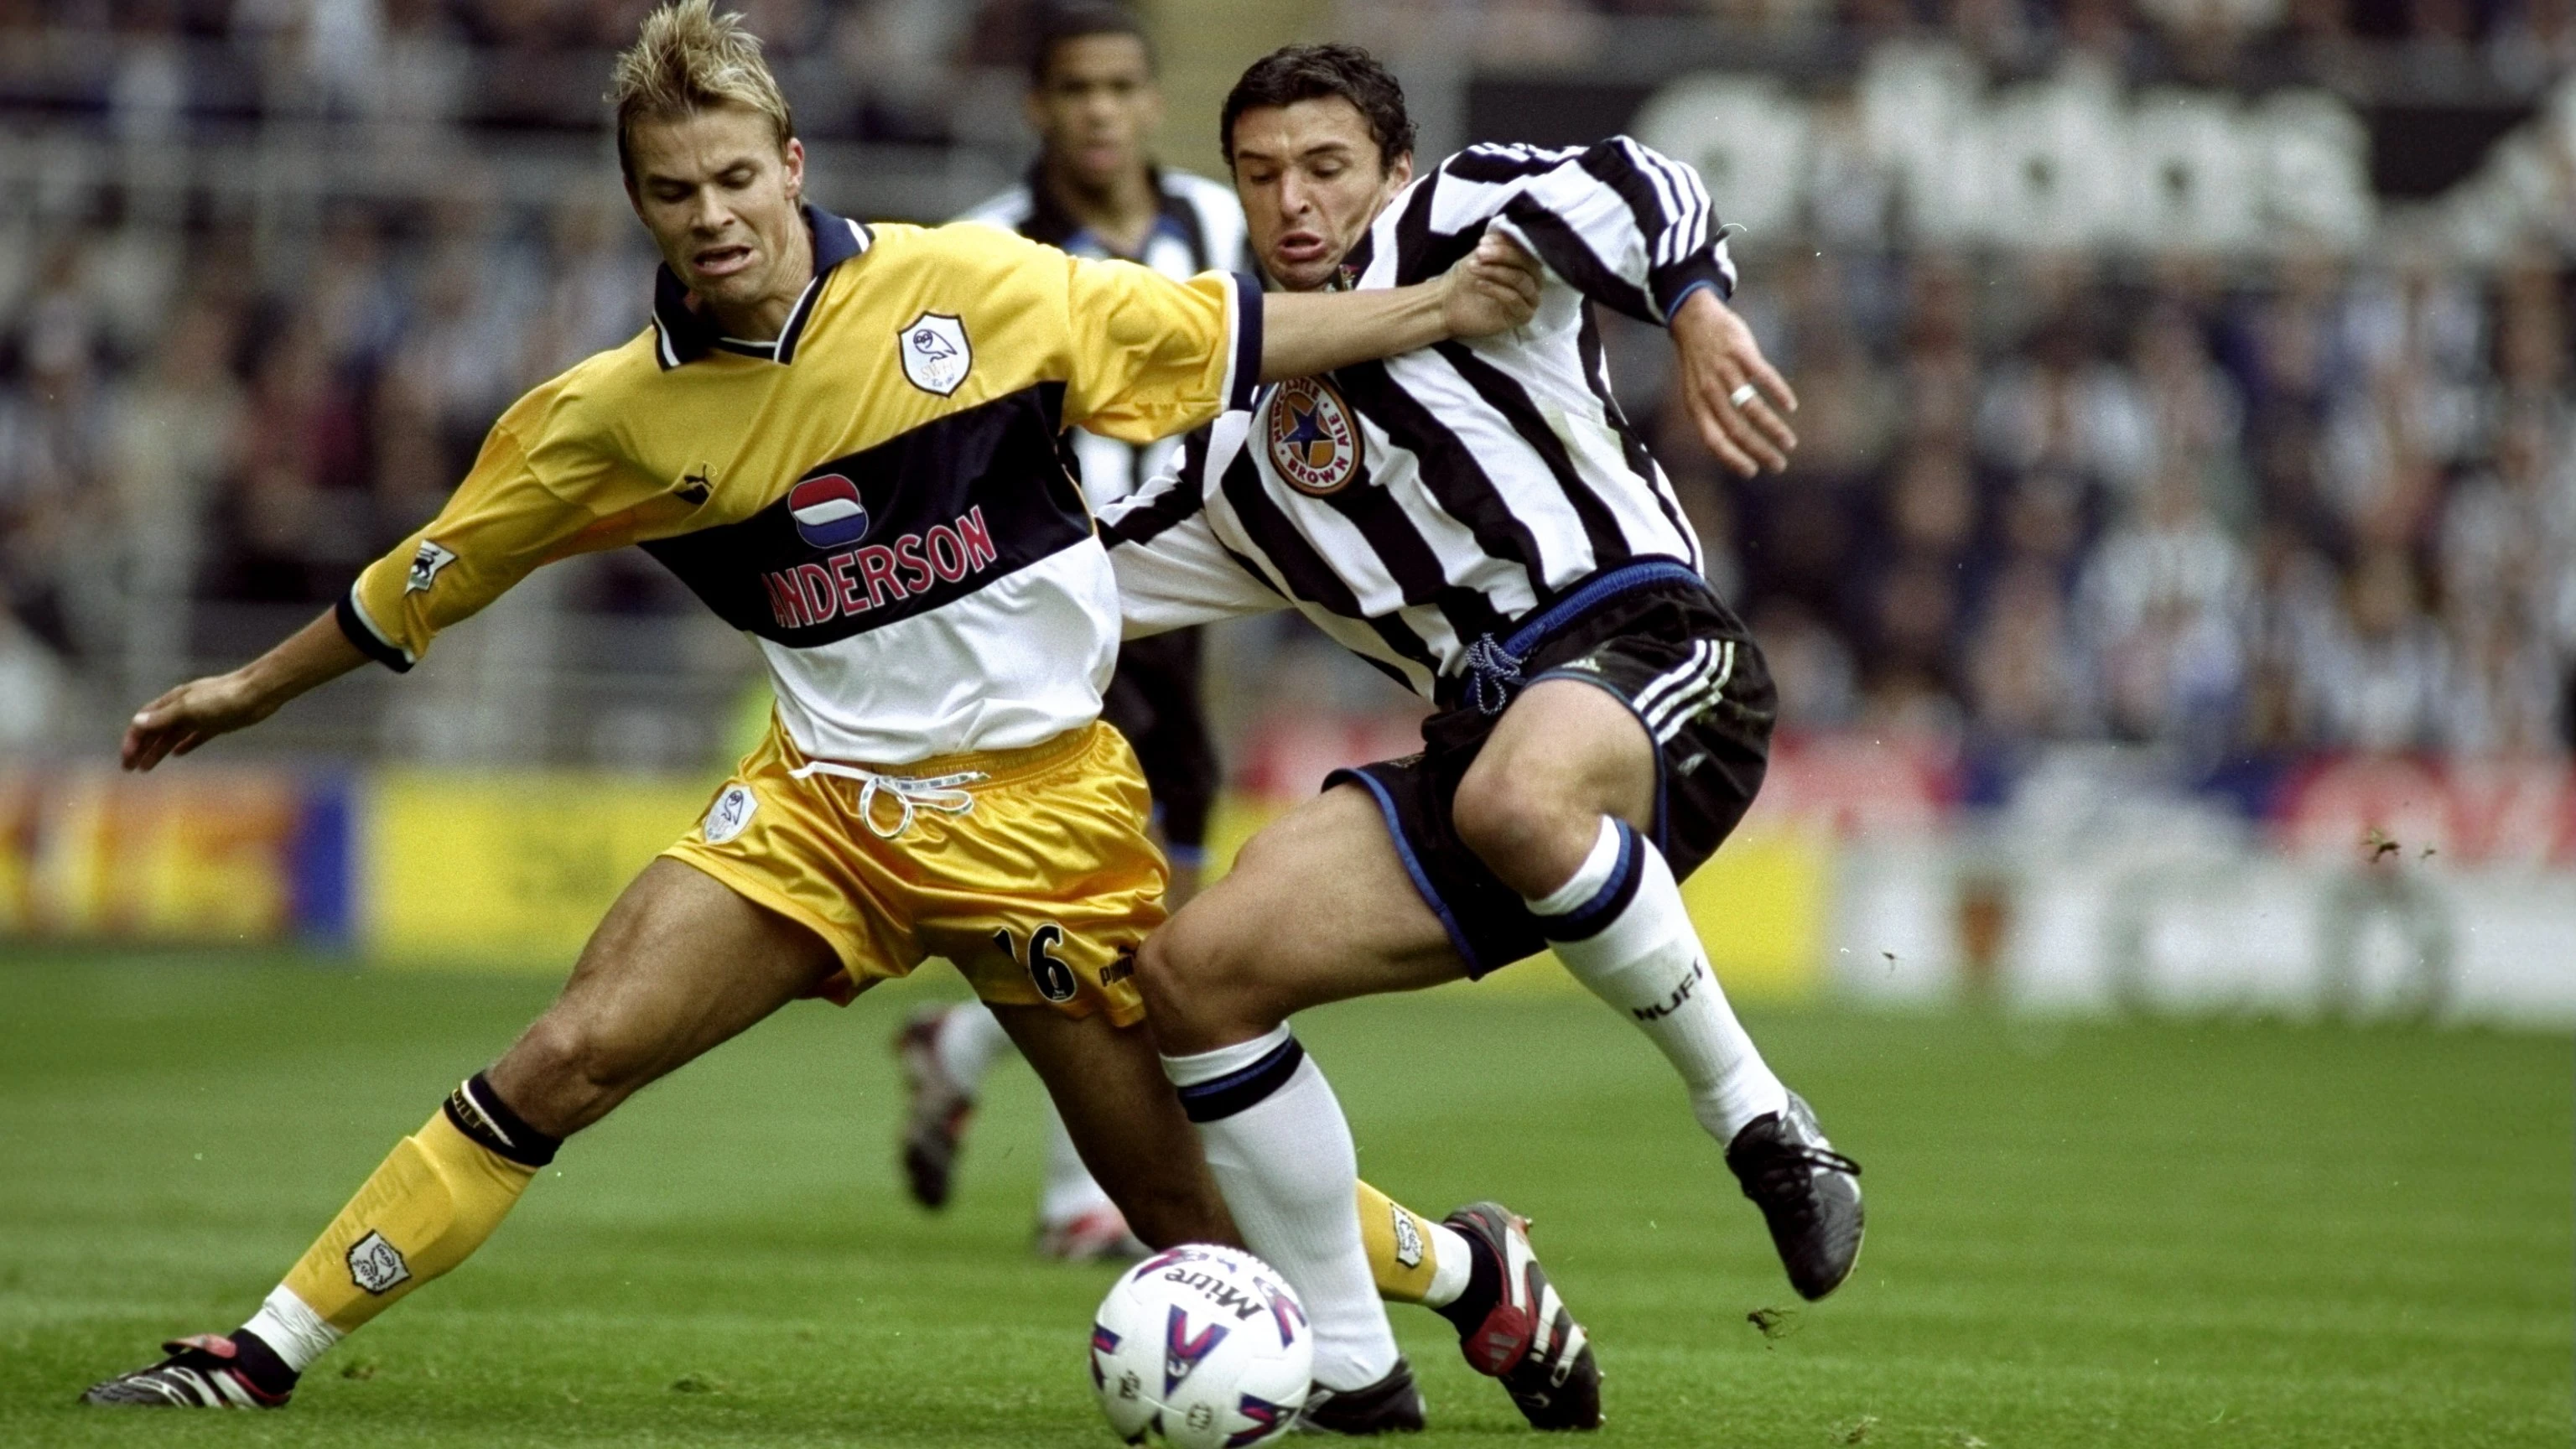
(1528, 1338)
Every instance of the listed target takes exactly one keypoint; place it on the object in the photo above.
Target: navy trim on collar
(683, 334)
(1048, 220)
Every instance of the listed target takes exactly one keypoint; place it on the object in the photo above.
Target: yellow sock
(1403, 1251)
(430, 1204)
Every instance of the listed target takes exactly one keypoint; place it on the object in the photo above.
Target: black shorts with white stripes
(1670, 650)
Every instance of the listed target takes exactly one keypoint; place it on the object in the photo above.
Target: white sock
(289, 1325)
(970, 1037)
(1070, 1190)
(1283, 1157)
(1619, 926)
(1451, 1258)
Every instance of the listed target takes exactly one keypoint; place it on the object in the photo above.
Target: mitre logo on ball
(935, 354)
(1313, 442)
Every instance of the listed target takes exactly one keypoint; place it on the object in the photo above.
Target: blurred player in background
(844, 439)
(1479, 521)
(1094, 192)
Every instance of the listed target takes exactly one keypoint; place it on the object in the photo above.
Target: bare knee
(564, 1074)
(1529, 833)
(1201, 980)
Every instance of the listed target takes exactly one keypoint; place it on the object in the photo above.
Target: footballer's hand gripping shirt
(876, 497)
(1413, 506)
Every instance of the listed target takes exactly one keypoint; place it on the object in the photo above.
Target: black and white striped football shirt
(1198, 228)
(1413, 506)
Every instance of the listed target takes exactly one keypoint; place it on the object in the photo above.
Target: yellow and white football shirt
(877, 497)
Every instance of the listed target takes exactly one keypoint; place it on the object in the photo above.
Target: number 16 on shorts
(1054, 979)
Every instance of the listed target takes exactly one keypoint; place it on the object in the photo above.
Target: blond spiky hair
(686, 59)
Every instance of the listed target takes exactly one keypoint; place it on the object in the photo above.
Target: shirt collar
(682, 333)
(1051, 223)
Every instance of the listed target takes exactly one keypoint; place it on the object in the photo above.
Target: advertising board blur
(1920, 145)
(2085, 878)
(200, 856)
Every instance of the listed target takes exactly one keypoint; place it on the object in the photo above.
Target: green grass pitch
(2205, 1234)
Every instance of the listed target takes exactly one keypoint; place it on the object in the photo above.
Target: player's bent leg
(1556, 805)
(1317, 908)
(1564, 755)
(1124, 1122)
(680, 964)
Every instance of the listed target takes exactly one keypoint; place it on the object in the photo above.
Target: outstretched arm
(201, 709)
(1632, 229)
(1492, 289)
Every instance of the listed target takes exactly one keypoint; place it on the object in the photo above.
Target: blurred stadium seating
(2189, 466)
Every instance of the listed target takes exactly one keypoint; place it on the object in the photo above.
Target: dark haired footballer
(1478, 520)
(843, 438)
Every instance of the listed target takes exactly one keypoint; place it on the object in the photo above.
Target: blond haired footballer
(843, 438)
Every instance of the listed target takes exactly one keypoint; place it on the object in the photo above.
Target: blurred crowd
(939, 70)
(926, 71)
(2255, 506)
(2313, 505)
(170, 431)
(2469, 46)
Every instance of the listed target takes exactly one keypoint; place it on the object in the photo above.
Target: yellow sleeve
(1150, 356)
(506, 518)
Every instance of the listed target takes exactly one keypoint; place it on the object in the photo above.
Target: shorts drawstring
(938, 792)
(1493, 675)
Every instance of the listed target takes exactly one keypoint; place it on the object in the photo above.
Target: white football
(1206, 1347)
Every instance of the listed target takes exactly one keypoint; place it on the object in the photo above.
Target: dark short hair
(1296, 73)
(1059, 23)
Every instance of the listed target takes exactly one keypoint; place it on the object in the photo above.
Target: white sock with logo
(1283, 1156)
(1620, 927)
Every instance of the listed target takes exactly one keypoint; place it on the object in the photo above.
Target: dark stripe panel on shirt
(1401, 550)
(1496, 164)
(1615, 166)
(983, 490)
(1184, 214)
(1504, 394)
(1174, 504)
(1562, 247)
(1299, 566)
(1420, 252)
(1453, 477)
(1596, 376)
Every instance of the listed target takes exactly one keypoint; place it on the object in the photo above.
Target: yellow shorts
(1030, 869)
